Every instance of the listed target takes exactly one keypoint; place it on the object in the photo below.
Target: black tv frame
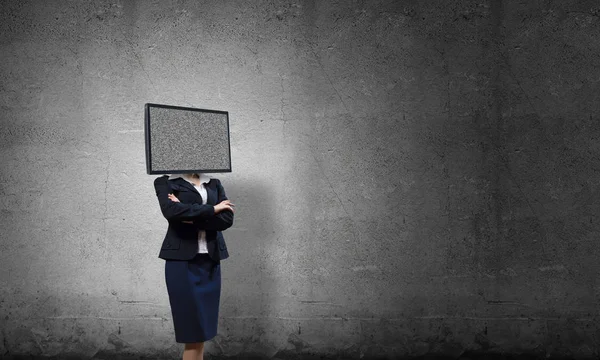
(149, 171)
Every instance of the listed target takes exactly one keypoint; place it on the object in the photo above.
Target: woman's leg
(193, 351)
(200, 351)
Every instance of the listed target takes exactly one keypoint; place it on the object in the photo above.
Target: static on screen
(183, 139)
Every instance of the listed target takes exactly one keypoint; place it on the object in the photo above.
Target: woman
(197, 210)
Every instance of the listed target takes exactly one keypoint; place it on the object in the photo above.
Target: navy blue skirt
(194, 288)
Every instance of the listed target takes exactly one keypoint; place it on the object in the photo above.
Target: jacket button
(168, 245)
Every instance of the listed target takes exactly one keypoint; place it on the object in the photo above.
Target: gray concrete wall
(411, 177)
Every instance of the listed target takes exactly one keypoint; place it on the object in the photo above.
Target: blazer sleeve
(172, 210)
(221, 221)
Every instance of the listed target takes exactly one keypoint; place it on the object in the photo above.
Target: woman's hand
(224, 205)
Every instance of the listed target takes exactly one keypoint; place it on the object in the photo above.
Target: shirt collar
(187, 177)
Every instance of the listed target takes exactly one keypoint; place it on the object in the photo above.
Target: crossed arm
(205, 217)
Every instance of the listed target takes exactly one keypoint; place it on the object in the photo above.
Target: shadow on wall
(249, 276)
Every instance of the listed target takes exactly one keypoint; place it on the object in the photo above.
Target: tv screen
(183, 139)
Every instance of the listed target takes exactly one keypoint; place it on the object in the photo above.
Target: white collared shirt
(202, 190)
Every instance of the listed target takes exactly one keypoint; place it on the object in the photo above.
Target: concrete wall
(411, 177)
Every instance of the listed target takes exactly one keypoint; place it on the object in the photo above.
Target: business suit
(181, 240)
(193, 279)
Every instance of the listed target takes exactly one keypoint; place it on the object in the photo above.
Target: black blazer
(189, 215)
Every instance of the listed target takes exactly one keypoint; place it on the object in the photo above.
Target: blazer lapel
(187, 185)
(211, 190)
(211, 193)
